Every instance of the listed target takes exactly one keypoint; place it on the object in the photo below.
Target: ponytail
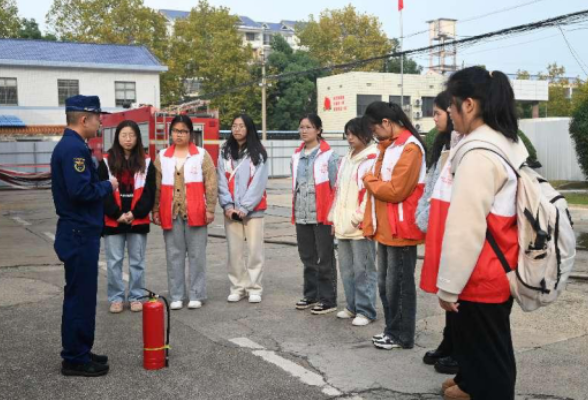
(494, 94)
(499, 110)
(377, 111)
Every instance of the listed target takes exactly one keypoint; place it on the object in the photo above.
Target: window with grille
(427, 107)
(67, 88)
(8, 92)
(126, 94)
(396, 100)
(250, 36)
(364, 100)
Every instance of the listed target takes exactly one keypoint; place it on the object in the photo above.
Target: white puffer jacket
(350, 200)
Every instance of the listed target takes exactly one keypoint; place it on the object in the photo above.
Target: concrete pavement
(250, 351)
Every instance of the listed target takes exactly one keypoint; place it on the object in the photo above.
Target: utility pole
(400, 7)
(263, 92)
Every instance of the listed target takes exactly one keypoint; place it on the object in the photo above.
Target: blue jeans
(115, 254)
(398, 291)
(358, 272)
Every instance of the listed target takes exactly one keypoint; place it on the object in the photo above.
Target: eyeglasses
(180, 131)
(235, 127)
(128, 135)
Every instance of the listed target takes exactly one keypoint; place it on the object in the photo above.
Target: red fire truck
(154, 126)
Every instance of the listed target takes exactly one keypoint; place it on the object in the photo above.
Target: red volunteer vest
(139, 185)
(194, 186)
(323, 192)
(488, 282)
(401, 216)
(230, 174)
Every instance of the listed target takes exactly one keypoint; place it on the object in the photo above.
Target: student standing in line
(472, 283)
(395, 187)
(126, 214)
(356, 253)
(314, 174)
(242, 179)
(184, 206)
(442, 357)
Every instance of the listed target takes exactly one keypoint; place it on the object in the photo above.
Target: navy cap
(81, 103)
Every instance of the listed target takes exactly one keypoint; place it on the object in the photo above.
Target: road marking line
(49, 235)
(21, 221)
(104, 268)
(307, 377)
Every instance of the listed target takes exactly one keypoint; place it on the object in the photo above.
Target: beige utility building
(346, 96)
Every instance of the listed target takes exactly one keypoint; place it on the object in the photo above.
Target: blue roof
(274, 27)
(174, 14)
(248, 22)
(11, 121)
(42, 53)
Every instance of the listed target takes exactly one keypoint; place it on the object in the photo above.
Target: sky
(531, 51)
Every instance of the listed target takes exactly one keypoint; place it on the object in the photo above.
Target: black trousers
(483, 349)
(316, 247)
(446, 346)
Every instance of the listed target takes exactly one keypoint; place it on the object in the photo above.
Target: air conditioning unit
(417, 102)
(417, 115)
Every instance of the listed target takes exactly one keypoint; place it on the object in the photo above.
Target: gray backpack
(546, 239)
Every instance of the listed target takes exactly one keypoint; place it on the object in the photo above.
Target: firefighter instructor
(78, 193)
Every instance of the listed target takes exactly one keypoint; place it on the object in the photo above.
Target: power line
(565, 19)
(573, 52)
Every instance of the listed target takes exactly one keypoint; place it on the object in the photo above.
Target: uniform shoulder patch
(79, 164)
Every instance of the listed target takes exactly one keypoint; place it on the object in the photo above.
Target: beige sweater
(347, 213)
(478, 178)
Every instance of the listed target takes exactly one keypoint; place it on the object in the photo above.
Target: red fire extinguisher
(155, 349)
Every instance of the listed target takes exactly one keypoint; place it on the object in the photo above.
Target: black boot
(447, 365)
(89, 369)
(98, 358)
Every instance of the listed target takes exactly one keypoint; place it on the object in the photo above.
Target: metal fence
(555, 148)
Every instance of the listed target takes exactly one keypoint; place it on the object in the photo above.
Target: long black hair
(494, 93)
(253, 144)
(377, 111)
(315, 121)
(357, 128)
(443, 138)
(116, 154)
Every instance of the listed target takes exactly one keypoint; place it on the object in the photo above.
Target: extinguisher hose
(153, 295)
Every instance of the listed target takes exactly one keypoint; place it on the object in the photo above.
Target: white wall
(555, 148)
(38, 102)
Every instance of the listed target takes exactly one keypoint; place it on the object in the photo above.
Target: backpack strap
(499, 253)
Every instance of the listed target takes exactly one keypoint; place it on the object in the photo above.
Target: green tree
(9, 22)
(410, 66)
(206, 46)
(345, 35)
(579, 133)
(29, 29)
(293, 97)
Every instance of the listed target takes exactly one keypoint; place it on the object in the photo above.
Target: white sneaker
(235, 297)
(360, 320)
(345, 314)
(194, 304)
(176, 305)
(255, 298)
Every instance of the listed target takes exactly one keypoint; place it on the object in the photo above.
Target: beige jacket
(347, 212)
(478, 178)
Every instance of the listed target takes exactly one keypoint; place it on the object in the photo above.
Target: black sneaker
(89, 369)
(304, 304)
(447, 365)
(387, 343)
(321, 309)
(99, 358)
(431, 357)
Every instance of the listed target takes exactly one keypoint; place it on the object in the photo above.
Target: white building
(37, 76)
(256, 34)
(346, 96)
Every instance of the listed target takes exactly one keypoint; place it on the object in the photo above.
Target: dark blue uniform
(78, 193)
